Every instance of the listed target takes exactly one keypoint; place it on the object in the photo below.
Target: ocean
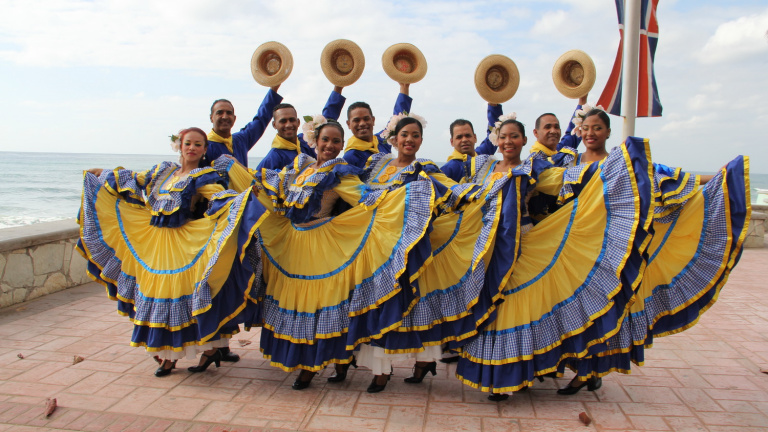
(42, 187)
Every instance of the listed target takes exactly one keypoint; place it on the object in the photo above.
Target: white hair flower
(309, 128)
(580, 114)
(176, 142)
(494, 135)
(388, 134)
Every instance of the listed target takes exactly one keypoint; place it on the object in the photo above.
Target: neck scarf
(356, 143)
(457, 155)
(284, 144)
(213, 136)
(539, 147)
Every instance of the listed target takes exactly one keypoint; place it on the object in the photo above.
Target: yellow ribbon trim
(356, 143)
(213, 136)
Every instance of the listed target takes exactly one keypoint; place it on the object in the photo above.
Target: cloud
(87, 69)
(549, 23)
(739, 38)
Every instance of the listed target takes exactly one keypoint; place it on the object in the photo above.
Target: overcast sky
(120, 76)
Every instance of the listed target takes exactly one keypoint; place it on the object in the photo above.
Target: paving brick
(14, 411)
(340, 403)
(463, 423)
(352, 424)
(371, 411)
(607, 415)
(500, 425)
(734, 419)
(650, 423)
(219, 412)
(406, 419)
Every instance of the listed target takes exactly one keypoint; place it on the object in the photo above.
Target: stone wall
(39, 259)
(758, 226)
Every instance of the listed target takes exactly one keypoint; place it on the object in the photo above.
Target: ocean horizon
(54, 192)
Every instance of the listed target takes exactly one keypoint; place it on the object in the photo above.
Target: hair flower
(310, 126)
(388, 134)
(580, 114)
(176, 141)
(494, 135)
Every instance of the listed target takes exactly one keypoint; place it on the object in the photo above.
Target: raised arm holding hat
(222, 141)
(360, 121)
(573, 75)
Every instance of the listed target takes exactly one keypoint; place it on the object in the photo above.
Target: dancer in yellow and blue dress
(334, 281)
(567, 281)
(168, 258)
(451, 302)
(698, 233)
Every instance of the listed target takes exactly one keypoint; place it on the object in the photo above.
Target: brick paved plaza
(705, 379)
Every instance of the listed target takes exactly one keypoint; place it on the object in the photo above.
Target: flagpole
(630, 65)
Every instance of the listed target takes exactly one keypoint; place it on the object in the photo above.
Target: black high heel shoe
(213, 358)
(162, 371)
(498, 397)
(375, 387)
(228, 356)
(592, 383)
(419, 372)
(301, 384)
(341, 371)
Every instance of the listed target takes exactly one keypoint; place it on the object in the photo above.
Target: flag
(648, 103)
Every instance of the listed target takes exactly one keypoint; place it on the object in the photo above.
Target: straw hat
(574, 74)
(271, 64)
(404, 63)
(342, 62)
(497, 78)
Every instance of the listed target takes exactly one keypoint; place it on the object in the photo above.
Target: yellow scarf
(356, 143)
(213, 136)
(284, 144)
(456, 155)
(539, 147)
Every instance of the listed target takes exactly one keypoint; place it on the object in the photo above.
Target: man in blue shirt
(288, 142)
(221, 140)
(463, 140)
(360, 121)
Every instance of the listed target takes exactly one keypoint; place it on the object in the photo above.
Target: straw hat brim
(497, 78)
(574, 74)
(342, 62)
(271, 64)
(404, 63)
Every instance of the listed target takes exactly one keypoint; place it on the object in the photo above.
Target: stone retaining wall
(758, 226)
(39, 259)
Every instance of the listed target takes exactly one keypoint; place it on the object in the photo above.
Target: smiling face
(330, 142)
(223, 118)
(286, 122)
(594, 133)
(360, 122)
(409, 140)
(464, 139)
(193, 146)
(548, 131)
(511, 141)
